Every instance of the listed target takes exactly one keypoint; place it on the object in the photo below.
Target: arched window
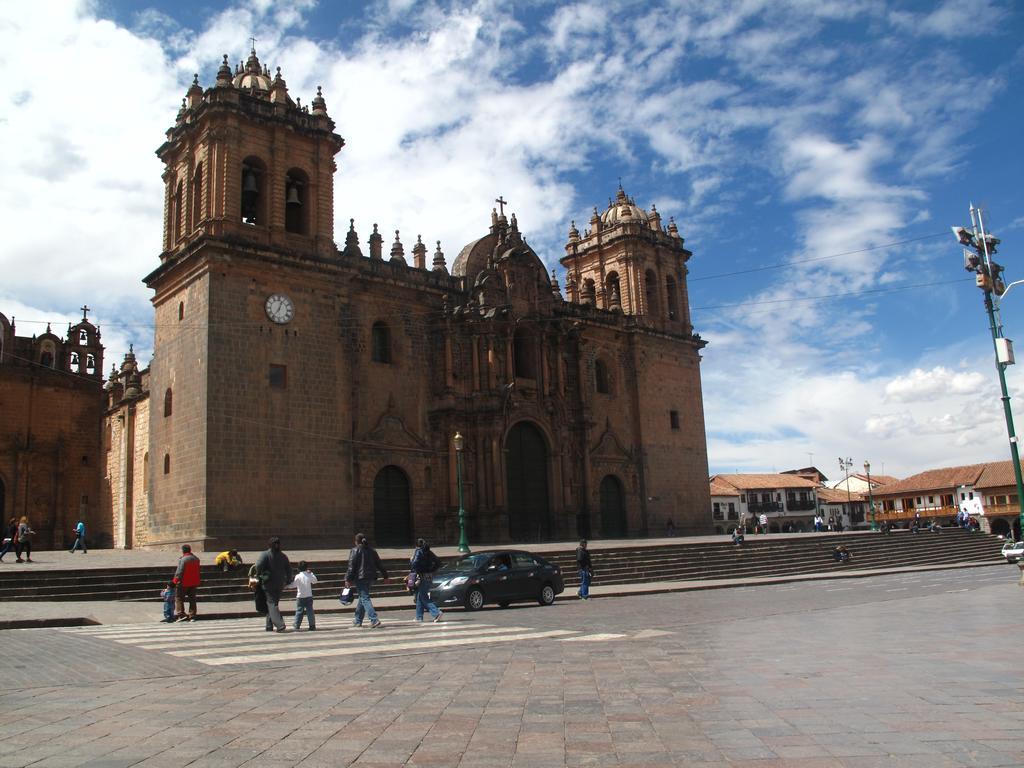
(602, 381)
(90, 364)
(296, 208)
(651, 291)
(83, 336)
(197, 195)
(381, 343)
(74, 361)
(612, 294)
(524, 356)
(47, 354)
(176, 214)
(254, 182)
(168, 402)
(167, 463)
(589, 292)
(670, 291)
(181, 310)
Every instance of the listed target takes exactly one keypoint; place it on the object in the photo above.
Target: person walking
(364, 565)
(186, 582)
(274, 571)
(168, 596)
(762, 520)
(23, 541)
(79, 538)
(424, 563)
(585, 569)
(303, 586)
(10, 535)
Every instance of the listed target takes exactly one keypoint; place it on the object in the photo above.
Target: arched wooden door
(526, 458)
(392, 518)
(613, 508)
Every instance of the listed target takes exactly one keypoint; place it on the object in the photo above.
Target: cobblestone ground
(908, 670)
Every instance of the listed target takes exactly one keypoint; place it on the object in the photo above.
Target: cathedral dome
(252, 76)
(623, 211)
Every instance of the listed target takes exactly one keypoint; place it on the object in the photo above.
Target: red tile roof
(945, 479)
(755, 482)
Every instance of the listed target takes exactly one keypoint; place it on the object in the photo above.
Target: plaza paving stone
(904, 670)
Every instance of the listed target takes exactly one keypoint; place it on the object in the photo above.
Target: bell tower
(627, 262)
(245, 160)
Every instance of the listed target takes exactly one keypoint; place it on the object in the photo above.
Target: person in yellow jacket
(228, 560)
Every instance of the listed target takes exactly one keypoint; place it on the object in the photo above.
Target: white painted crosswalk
(218, 643)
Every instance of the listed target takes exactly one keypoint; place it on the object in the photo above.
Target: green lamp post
(871, 497)
(459, 441)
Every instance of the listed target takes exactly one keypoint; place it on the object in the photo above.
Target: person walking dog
(364, 565)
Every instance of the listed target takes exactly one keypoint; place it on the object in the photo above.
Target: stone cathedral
(302, 390)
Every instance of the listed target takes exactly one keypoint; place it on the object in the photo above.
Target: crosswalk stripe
(217, 643)
(328, 652)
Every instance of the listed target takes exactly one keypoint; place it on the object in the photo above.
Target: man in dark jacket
(186, 582)
(584, 567)
(274, 571)
(364, 565)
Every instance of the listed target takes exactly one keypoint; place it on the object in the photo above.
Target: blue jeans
(168, 609)
(364, 607)
(304, 605)
(79, 543)
(423, 598)
(584, 590)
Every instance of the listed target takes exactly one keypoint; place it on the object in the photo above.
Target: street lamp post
(989, 279)
(459, 441)
(845, 465)
(871, 497)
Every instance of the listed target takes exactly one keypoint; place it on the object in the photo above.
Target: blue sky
(814, 154)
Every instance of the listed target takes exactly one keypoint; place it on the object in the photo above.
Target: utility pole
(845, 465)
(979, 247)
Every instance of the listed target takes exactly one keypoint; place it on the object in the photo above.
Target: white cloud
(921, 385)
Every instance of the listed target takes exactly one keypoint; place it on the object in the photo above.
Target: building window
(167, 463)
(601, 377)
(85, 461)
(381, 343)
(145, 472)
(963, 497)
(523, 355)
(181, 311)
(732, 510)
(716, 511)
(673, 419)
(931, 499)
(168, 402)
(197, 195)
(278, 376)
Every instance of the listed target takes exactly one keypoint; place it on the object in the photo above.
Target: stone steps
(759, 557)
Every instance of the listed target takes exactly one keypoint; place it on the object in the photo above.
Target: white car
(1013, 550)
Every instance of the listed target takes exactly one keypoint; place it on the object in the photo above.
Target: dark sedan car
(499, 576)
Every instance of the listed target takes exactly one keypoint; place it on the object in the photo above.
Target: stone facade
(51, 405)
(315, 391)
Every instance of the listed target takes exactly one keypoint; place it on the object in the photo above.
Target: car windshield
(468, 563)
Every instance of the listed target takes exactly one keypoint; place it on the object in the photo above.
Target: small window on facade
(278, 376)
(743, 498)
(85, 499)
(524, 359)
(601, 377)
(197, 195)
(716, 511)
(168, 402)
(381, 343)
(963, 497)
(732, 510)
(181, 310)
(85, 461)
(970, 494)
(673, 419)
(167, 463)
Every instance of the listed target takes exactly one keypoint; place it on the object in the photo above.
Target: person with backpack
(363, 567)
(424, 564)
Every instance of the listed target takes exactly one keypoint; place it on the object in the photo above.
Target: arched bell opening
(254, 198)
(296, 202)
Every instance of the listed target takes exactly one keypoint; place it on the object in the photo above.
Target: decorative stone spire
(195, 93)
(397, 251)
(181, 112)
(595, 221)
(673, 230)
(615, 303)
(279, 89)
(376, 244)
(319, 105)
(554, 286)
(439, 262)
(574, 234)
(419, 254)
(224, 74)
(352, 241)
(655, 218)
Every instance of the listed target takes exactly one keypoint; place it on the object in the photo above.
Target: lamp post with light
(846, 465)
(871, 497)
(979, 247)
(459, 442)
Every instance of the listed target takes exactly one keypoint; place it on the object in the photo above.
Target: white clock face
(280, 308)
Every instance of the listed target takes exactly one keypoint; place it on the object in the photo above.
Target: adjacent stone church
(305, 391)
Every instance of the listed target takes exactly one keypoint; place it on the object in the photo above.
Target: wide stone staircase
(647, 561)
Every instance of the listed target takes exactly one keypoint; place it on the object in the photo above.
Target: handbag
(411, 581)
(346, 596)
(261, 602)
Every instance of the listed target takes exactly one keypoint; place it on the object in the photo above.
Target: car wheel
(547, 595)
(504, 604)
(474, 600)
